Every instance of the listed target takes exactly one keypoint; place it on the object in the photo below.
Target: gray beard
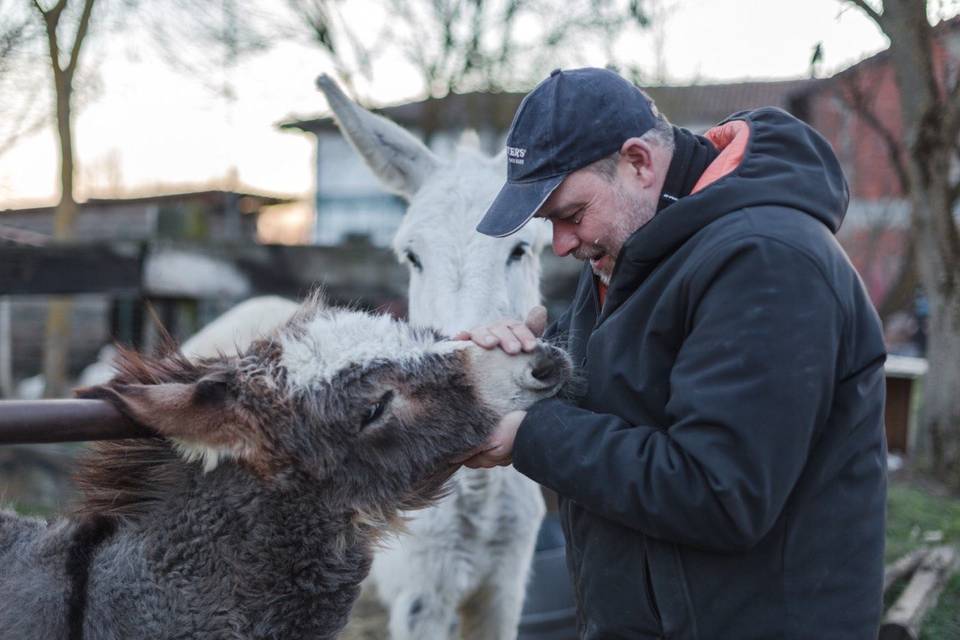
(636, 213)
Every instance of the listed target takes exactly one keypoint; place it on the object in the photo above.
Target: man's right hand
(511, 335)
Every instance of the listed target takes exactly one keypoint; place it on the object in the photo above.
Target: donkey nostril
(546, 370)
(543, 370)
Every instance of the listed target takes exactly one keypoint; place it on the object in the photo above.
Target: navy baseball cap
(569, 120)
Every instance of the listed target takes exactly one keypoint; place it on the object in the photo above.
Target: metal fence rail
(44, 421)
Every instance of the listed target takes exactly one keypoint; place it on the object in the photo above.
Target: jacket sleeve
(752, 380)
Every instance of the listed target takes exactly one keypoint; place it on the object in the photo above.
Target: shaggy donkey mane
(120, 479)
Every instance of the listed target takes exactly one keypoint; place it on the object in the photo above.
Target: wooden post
(6, 349)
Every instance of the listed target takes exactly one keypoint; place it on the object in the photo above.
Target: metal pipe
(42, 421)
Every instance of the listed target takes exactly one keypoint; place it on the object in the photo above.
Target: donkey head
(458, 277)
(365, 407)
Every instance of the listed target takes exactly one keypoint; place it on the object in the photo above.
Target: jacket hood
(767, 158)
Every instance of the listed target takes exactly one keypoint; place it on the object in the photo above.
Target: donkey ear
(399, 160)
(200, 417)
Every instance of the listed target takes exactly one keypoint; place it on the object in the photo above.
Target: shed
(904, 376)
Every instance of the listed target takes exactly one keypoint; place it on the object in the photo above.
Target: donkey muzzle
(548, 369)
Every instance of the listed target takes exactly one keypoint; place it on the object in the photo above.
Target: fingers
(510, 335)
(514, 337)
(498, 451)
(496, 457)
(464, 458)
(537, 320)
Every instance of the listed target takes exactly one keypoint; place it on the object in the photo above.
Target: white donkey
(471, 553)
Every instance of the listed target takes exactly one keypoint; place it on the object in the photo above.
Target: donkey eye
(518, 252)
(413, 259)
(374, 411)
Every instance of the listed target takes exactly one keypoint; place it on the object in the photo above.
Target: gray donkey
(280, 468)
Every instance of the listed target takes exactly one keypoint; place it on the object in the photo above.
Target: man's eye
(374, 411)
(574, 216)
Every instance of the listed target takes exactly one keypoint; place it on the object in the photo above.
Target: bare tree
(66, 27)
(471, 45)
(930, 110)
(184, 32)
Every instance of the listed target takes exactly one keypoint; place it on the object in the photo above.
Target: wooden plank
(905, 617)
(902, 568)
(70, 269)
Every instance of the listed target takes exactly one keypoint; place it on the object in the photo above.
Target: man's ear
(638, 154)
(200, 417)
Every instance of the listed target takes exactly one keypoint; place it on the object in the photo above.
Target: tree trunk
(941, 409)
(56, 349)
(930, 116)
(57, 339)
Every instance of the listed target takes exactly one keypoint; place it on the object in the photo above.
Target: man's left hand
(498, 449)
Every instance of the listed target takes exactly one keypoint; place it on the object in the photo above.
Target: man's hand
(510, 335)
(498, 449)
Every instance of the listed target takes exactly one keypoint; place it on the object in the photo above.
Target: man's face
(593, 215)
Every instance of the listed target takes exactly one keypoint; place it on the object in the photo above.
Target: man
(723, 475)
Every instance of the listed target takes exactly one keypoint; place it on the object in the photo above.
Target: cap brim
(516, 203)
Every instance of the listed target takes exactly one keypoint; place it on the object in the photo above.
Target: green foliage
(912, 512)
(943, 623)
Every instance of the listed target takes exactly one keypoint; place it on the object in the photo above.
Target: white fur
(471, 552)
(208, 457)
(238, 327)
(467, 279)
(337, 339)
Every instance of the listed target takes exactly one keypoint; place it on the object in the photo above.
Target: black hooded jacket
(723, 476)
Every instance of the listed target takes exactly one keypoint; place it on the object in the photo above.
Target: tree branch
(854, 98)
(872, 13)
(951, 117)
(81, 34)
(50, 19)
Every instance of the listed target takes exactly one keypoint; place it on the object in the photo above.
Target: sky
(152, 129)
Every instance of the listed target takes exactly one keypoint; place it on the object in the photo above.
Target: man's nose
(564, 239)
